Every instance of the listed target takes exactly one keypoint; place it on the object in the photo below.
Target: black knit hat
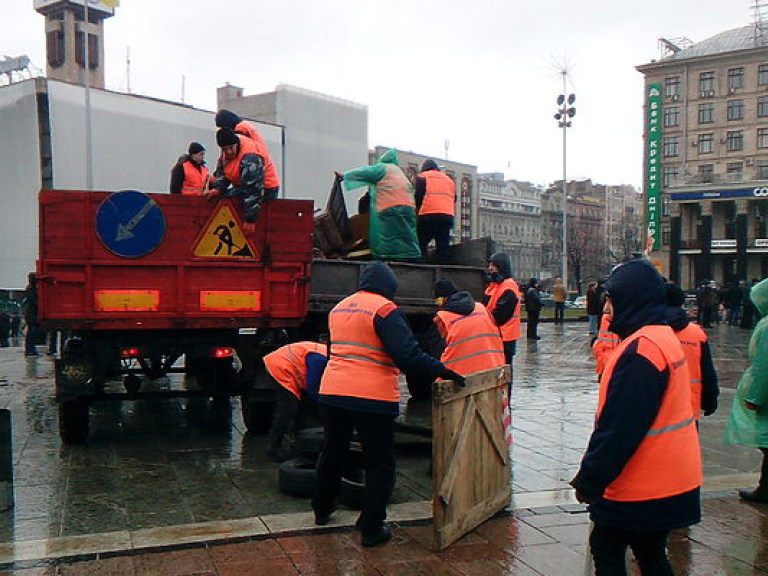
(195, 147)
(226, 137)
(444, 288)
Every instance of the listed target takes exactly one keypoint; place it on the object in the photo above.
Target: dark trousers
(533, 323)
(437, 226)
(284, 419)
(377, 437)
(608, 545)
(762, 485)
(559, 312)
(510, 347)
(30, 339)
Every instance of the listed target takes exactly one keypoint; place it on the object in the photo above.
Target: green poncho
(393, 208)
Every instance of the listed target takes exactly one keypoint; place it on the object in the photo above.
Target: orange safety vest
(692, 337)
(605, 344)
(472, 342)
(195, 178)
(245, 128)
(358, 365)
(288, 365)
(394, 189)
(668, 460)
(440, 197)
(232, 167)
(510, 330)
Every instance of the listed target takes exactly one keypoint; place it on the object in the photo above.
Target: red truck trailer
(139, 280)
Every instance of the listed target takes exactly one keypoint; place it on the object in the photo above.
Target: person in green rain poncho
(393, 208)
(748, 423)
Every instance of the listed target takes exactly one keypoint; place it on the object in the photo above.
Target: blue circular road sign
(130, 223)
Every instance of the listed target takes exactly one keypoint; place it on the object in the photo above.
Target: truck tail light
(131, 353)
(223, 352)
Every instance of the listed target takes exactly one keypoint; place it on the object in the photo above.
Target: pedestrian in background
(435, 195)
(502, 298)
(29, 309)
(701, 368)
(593, 307)
(190, 176)
(5, 329)
(370, 343)
(748, 311)
(641, 473)
(748, 422)
(559, 295)
(533, 309)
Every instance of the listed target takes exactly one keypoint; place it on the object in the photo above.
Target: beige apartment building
(706, 157)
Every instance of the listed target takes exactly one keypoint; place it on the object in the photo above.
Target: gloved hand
(448, 374)
(709, 408)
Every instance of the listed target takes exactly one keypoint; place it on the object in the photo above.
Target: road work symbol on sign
(223, 236)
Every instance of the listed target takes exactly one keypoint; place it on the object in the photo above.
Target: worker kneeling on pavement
(296, 369)
(370, 342)
(464, 334)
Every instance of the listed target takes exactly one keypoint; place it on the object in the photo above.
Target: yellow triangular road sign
(223, 237)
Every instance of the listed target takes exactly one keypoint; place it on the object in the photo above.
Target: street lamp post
(565, 112)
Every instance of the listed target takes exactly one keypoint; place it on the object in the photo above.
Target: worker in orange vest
(228, 119)
(370, 343)
(604, 344)
(435, 194)
(704, 388)
(240, 172)
(190, 176)
(296, 369)
(467, 338)
(502, 298)
(641, 474)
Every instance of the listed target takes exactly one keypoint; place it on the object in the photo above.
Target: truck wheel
(74, 424)
(132, 383)
(257, 414)
(419, 388)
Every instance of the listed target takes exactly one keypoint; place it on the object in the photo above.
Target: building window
(762, 106)
(55, 48)
(671, 116)
(706, 173)
(706, 113)
(735, 78)
(666, 205)
(735, 171)
(734, 140)
(93, 50)
(672, 86)
(669, 177)
(706, 143)
(666, 234)
(706, 84)
(735, 109)
(762, 137)
(670, 146)
(762, 169)
(762, 75)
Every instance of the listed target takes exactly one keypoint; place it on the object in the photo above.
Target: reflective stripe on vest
(691, 338)
(605, 345)
(440, 196)
(288, 365)
(510, 330)
(668, 460)
(358, 365)
(271, 180)
(473, 342)
(194, 178)
(393, 189)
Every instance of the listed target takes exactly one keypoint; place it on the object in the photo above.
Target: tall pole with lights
(565, 112)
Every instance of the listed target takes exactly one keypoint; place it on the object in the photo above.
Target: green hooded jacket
(393, 230)
(750, 427)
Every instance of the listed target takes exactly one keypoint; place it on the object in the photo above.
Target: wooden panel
(470, 456)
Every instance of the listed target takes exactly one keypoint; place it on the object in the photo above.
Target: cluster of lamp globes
(566, 110)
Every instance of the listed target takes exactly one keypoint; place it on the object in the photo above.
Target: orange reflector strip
(127, 300)
(231, 300)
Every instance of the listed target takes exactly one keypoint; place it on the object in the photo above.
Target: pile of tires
(298, 477)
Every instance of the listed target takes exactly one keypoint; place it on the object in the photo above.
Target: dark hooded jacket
(505, 307)
(635, 392)
(398, 340)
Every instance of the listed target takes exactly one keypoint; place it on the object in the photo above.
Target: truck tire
(257, 413)
(74, 421)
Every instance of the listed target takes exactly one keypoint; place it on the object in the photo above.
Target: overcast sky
(483, 75)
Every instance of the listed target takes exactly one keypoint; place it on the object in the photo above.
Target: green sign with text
(653, 167)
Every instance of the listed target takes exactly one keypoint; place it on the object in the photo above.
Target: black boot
(756, 495)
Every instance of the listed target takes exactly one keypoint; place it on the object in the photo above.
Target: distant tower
(65, 37)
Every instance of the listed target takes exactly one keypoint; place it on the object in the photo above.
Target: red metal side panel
(85, 285)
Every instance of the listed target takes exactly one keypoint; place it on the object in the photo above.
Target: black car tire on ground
(296, 477)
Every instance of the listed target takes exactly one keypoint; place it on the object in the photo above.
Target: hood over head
(638, 296)
(759, 296)
(460, 303)
(501, 260)
(677, 318)
(389, 157)
(227, 119)
(429, 164)
(378, 278)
